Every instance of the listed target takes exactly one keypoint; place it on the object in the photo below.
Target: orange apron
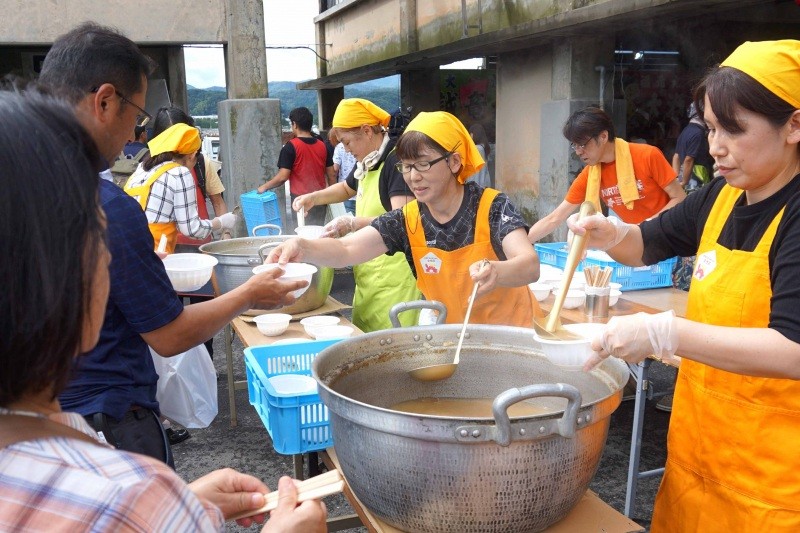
(141, 193)
(444, 276)
(733, 461)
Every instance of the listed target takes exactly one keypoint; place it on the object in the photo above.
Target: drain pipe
(602, 71)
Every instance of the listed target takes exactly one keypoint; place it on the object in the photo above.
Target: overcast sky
(292, 26)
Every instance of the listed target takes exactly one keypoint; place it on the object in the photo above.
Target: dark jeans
(139, 431)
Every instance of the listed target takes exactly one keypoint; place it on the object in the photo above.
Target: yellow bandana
(626, 180)
(180, 138)
(773, 64)
(355, 112)
(451, 134)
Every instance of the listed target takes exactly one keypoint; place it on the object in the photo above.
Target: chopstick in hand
(311, 489)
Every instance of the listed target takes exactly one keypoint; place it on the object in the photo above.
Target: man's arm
(676, 195)
(688, 165)
(547, 224)
(331, 174)
(276, 181)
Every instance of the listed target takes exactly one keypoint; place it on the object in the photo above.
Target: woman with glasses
(452, 236)
(634, 180)
(164, 186)
(377, 187)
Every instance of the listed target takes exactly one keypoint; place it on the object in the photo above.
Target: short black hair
(587, 124)
(91, 55)
(728, 88)
(302, 117)
(50, 234)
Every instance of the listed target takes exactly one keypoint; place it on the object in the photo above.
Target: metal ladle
(550, 327)
(444, 371)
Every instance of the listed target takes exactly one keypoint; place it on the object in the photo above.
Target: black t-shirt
(678, 231)
(390, 180)
(456, 233)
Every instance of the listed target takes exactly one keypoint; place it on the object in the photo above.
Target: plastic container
(260, 209)
(571, 354)
(189, 272)
(291, 272)
(540, 290)
(309, 232)
(629, 278)
(296, 422)
(272, 324)
(311, 322)
(331, 332)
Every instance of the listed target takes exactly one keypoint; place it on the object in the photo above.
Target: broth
(465, 407)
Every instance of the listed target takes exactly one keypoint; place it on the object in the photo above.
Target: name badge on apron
(705, 264)
(430, 264)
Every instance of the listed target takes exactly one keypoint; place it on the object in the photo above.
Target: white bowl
(189, 272)
(574, 284)
(617, 286)
(311, 322)
(291, 272)
(293, 384)
(309, 232)
(323, 333)
(272, 324)
(540, 290)
(613, 296)
(571, 354)
(574, 298)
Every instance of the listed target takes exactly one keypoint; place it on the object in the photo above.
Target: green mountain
(384, 93)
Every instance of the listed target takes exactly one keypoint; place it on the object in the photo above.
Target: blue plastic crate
(260, 209)
(296, 423)
(631, 278)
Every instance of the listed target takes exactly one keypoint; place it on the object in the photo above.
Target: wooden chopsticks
(311, 489)
(596, 276)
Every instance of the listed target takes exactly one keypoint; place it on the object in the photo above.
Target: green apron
(384, 281)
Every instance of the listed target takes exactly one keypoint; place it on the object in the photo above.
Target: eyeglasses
(142, 119)
(423, 166)
(580, 147)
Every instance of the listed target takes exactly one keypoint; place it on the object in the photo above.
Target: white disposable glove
(339, 226)
(605, 232)
(224, 221)
(634, 337)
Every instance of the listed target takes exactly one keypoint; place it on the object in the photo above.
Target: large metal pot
(439, 473)
(237, 257)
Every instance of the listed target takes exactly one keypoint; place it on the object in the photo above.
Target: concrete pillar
(176, 77)
(245, 54)
(523, 86)
(420, 89)
(250, 131)
(327, 100)
(408, 25)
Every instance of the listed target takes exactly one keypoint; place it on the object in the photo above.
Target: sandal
(177, 436)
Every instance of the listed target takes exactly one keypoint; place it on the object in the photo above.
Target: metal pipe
(602, 70)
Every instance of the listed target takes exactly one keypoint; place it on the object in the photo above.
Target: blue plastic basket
(260, 209)
(631, 278)
(296, 423)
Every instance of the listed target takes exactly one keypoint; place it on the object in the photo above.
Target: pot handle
(417, 304)
(267, 226)
(262, 250)
(566, 424)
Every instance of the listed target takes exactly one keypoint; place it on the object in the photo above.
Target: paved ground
(247, 447)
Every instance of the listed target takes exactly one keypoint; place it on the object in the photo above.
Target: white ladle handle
(466, 316)
(301, 217)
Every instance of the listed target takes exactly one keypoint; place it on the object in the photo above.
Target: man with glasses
(634, 180)
(103, 75)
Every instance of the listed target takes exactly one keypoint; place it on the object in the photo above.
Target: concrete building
(544, 60)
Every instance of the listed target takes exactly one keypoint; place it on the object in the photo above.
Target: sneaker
(665, 403)
(629, 391)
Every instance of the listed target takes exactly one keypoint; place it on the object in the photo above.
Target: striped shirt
(173, 197)
(63, 484)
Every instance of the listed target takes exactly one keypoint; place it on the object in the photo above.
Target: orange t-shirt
(652, 172)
